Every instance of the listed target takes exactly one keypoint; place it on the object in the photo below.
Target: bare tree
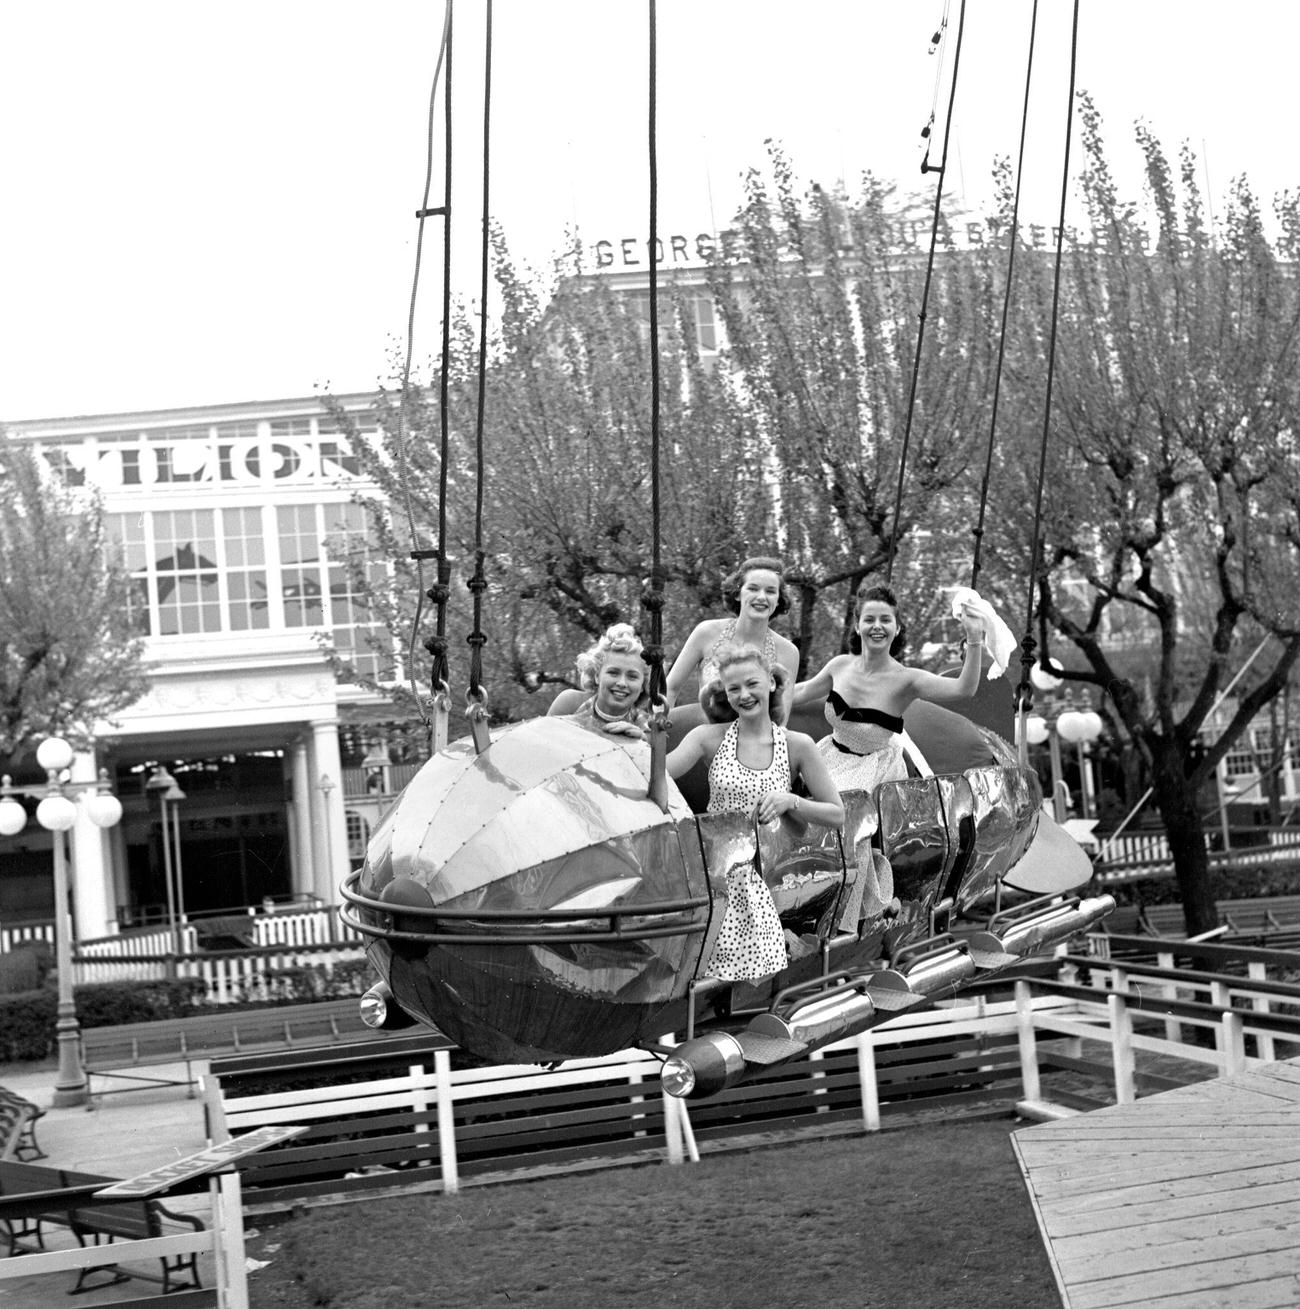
(822, 312)
(1171, 538)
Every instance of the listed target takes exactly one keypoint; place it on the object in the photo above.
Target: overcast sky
(208, 203)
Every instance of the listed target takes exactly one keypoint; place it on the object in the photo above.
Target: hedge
(27, 1018)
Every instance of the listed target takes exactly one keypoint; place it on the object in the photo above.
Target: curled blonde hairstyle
(621, 639)
(713, 698)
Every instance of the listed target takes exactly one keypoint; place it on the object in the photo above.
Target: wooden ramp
(1185, 1200)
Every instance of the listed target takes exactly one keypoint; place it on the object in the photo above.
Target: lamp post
(1077, 728)
(57, 813)
(1080, 728)
(169, 793)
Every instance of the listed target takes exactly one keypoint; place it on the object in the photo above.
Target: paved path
(124, 1134)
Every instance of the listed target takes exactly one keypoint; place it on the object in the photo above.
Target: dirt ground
(910, 1218)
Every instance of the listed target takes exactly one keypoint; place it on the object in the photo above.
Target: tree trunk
(803, 638)
(1176, 798)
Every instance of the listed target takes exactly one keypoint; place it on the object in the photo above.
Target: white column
(302, 858)
(329, 823)
(92, 876)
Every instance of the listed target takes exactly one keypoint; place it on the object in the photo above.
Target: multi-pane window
(697, 315)
(245, 569)
(214, 570)
(187, 571)
(128, 530)
(325, 551)
(353, 569)
(301, 582)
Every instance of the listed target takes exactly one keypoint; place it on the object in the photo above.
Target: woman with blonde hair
(754, 765)
(612, 676)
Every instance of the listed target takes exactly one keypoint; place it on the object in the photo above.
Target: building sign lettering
(904, 236)
(246, 461)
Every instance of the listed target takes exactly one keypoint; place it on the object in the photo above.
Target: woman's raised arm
(815, 688)
(688, 660)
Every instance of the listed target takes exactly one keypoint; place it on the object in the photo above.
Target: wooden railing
(438, 1124)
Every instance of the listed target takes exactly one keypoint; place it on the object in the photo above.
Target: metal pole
(70, 1087)
(167, 874)
(1085, 800)
(176, 863)
(1058, 800)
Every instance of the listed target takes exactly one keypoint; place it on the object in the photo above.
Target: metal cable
(417, 552)
(925, 292)
(1006, 308)
(478, 583)
(1023, 692)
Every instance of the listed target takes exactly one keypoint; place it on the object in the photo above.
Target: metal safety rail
(392, 921)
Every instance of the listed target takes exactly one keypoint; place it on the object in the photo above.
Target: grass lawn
(920, 1217)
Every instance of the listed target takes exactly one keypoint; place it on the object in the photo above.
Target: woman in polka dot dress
(753, 763)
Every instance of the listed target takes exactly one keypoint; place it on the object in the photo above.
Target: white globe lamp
(13, 817)
(56, 813)
(54, 754)
(104, 810)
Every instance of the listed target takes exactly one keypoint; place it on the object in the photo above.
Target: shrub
(106, 1004)
(304, 983)
(1229, 884)
(27, 1024)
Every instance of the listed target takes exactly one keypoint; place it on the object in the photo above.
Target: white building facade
(239, 526)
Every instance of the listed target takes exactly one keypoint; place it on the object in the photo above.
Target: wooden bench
(1265, 920)
(59, 1197)
(1268, 914)
(1163, 919)
(18, 1118)
(108, 1051)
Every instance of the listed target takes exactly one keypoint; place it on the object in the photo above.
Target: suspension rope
(652, 598)
(477, 584)
(440, 592)
(939, 45)
(1023, 691)
(1006, 308)
(941, 169)
(418, 553)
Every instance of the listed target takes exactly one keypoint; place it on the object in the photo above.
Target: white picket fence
(281, 939)
(1139, 854)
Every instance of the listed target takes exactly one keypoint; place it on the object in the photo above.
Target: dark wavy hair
(884, 595)
(713, 698)
(732, 583)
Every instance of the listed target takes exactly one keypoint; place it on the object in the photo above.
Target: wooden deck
(1184, 1200)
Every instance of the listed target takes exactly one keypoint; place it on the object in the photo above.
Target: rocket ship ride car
(533, 904)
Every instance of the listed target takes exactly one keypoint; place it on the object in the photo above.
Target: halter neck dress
(709, 665)
(865, 748)
(751, 941)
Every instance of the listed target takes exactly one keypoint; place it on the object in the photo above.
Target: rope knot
(439, 593)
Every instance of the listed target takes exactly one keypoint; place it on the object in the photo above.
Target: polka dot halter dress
(751, 942)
